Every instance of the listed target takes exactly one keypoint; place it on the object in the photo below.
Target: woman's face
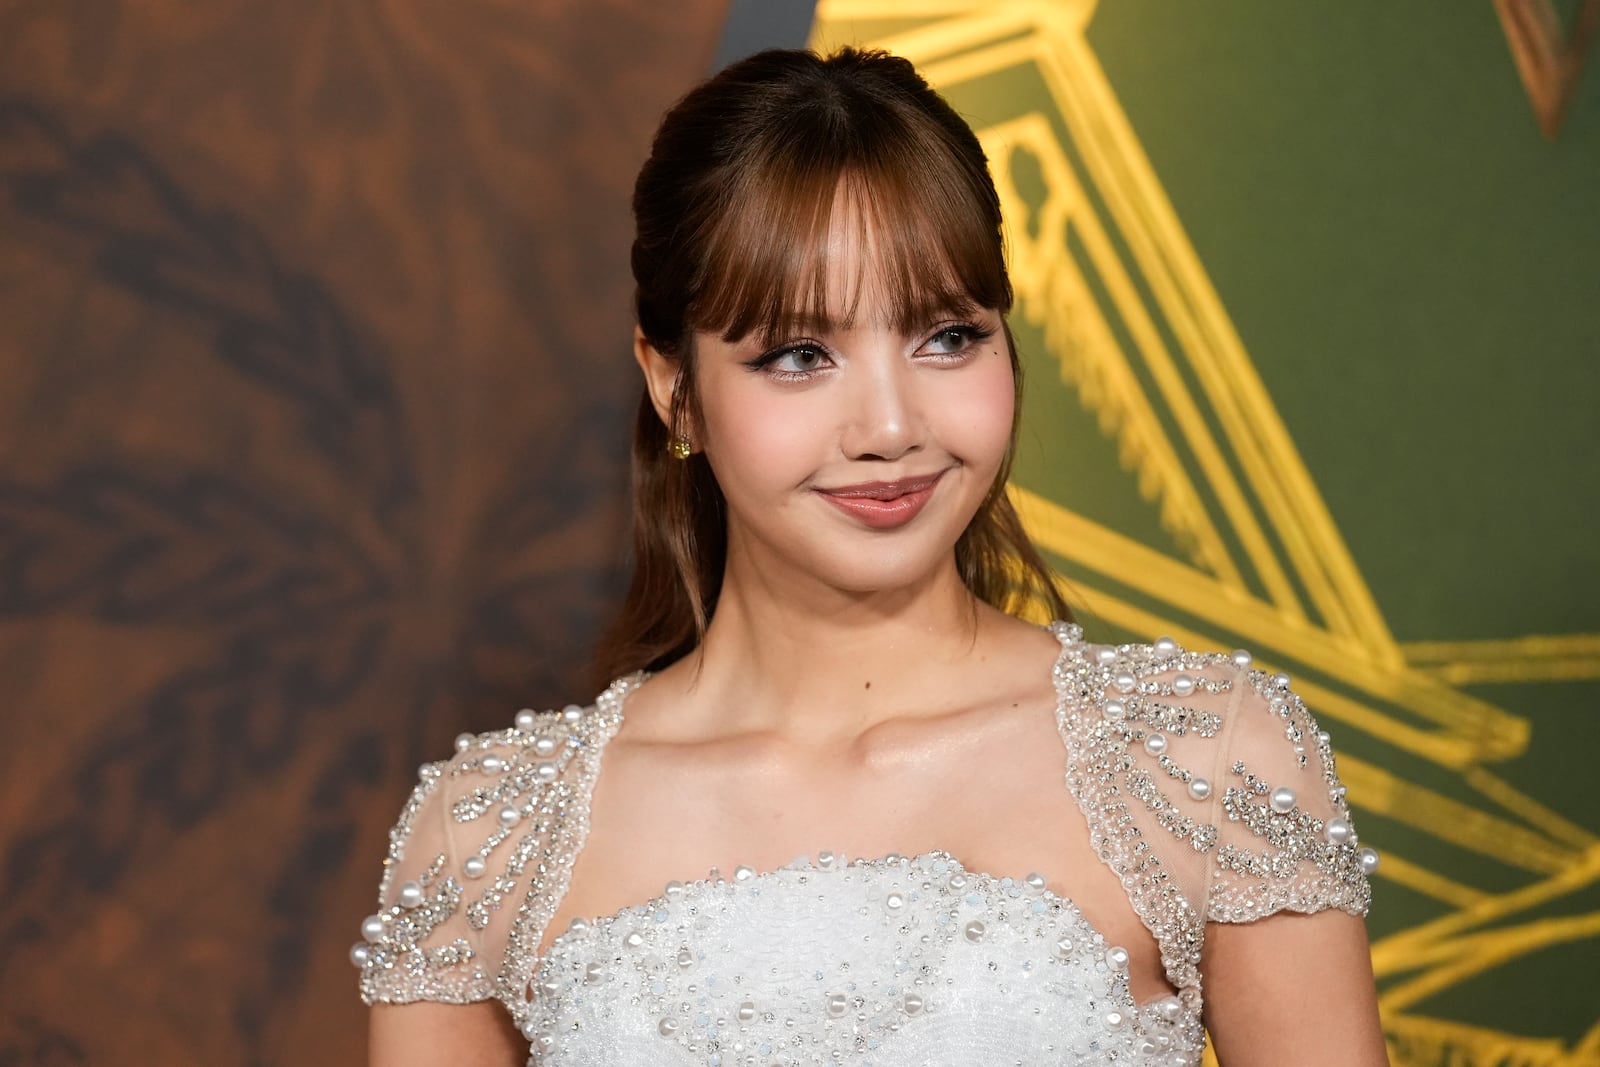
(857, 452)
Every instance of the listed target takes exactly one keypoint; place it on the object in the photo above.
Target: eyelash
(971, 335)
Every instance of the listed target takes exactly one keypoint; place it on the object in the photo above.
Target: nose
(884, 418)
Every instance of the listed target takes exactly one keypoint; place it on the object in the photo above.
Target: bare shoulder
(1018, 643)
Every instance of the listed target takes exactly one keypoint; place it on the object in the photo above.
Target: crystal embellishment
(1204, 783)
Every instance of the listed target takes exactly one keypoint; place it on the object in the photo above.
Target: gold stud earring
(680, 446)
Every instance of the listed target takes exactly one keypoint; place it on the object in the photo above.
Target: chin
(866, 570)
(857, 561)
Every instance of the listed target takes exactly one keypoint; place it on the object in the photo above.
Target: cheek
(755, 439)
(977, 410)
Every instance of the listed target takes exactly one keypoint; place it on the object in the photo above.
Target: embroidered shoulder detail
(481, 857)
(1208, 788)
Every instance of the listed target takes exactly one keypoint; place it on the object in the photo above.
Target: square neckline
(612, 701)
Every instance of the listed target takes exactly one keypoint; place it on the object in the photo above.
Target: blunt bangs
(886, 194)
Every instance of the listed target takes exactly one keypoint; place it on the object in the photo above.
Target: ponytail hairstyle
(733, 212)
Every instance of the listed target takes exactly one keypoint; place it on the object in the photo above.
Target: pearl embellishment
(690, 958)
(1282, 800)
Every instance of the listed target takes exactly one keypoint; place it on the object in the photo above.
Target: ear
(660, 376)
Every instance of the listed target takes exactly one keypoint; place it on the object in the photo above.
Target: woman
(820, 651)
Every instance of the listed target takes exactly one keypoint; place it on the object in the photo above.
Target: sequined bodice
(888, 961)
(1204, 783)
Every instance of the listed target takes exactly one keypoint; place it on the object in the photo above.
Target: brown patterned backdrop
(313, 343)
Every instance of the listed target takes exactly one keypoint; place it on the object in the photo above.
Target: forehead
(854, 272)
(859, 283)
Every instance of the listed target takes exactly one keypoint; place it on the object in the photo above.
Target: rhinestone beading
(1205, 784)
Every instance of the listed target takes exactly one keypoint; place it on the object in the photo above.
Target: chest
(988, 789)
(995, 797)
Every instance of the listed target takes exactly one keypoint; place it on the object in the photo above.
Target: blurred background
(314, 405)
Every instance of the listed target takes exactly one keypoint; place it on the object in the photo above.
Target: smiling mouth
(883, 505)
(884, 490)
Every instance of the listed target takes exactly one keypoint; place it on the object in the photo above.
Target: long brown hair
(733, 212)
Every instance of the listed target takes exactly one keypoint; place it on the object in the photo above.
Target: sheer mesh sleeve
(419, 944)
(1285, 839)
(1207, 788)
(480, 858)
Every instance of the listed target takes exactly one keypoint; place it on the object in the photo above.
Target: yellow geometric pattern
(1173, 386)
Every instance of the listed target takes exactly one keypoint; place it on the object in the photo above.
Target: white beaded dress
(1205, 784)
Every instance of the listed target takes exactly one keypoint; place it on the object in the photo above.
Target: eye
(792, 362)
(802, 359)
(954, 340)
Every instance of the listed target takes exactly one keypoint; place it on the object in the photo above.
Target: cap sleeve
(480, 858)
(1207, 787)
(419, 944)
(1285, 840)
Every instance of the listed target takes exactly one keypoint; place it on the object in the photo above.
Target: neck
(787, 655)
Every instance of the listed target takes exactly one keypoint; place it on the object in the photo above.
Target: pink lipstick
(883, 505)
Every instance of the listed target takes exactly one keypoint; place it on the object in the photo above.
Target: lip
(884, 505)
